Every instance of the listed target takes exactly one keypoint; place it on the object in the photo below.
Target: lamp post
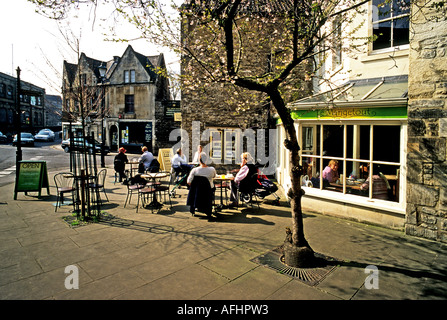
(18, 120)
(102, 73)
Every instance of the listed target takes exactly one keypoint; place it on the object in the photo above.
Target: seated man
(179, 162)
(145, 160)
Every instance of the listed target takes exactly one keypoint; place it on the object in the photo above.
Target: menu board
(164, 157)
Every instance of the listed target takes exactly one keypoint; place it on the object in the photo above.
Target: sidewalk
(175, 256)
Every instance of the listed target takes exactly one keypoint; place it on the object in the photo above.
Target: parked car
(79, 142)
(44, 135)
(3, 138)
(26, 139)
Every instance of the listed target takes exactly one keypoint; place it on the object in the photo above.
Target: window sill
(384, 205)
(385, 54)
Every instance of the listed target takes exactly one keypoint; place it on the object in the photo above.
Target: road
(51, 152)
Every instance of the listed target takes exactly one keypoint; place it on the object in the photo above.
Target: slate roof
(150, 63)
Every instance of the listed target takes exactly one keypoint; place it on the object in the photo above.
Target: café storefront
(134, 134)
(363, 126)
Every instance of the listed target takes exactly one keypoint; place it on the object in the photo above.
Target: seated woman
(199, 152)
(242, 180)
(330, 173)
(380, 187)
(120, 163)
(201, 192)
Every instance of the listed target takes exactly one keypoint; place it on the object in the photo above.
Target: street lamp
(102, 73)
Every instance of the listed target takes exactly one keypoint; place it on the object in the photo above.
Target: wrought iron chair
(146, 194)
(99, 183)
(133, 187)
(164, 187)
(65, 183)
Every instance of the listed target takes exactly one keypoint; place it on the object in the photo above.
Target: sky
(28, 40)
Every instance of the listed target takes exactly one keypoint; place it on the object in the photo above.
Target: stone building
(427, 127)
(385, 123)
(357, 116)
(132, 98)
(32, 106)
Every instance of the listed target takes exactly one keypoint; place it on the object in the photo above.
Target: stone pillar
(427, 127)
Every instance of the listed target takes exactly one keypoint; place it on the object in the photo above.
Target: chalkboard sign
(32, 176)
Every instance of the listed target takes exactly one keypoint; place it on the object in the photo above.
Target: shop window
(390, 23)
(367, 157)
(129, 106)
(135, 134)
(225, 144)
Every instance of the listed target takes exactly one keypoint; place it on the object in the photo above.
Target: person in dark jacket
(119, 163)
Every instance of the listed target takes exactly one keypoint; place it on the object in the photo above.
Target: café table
(222, 179)
(153, 176)
(339, 186)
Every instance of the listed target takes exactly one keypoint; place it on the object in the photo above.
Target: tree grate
(310, 276)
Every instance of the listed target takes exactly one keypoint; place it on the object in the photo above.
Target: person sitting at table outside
(120, 163)
(203, 170)
(179, 162)
(242, 181)
(145, 160)
(201, 192)
(195, 159)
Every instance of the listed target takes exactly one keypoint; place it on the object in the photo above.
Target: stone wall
(427, 128)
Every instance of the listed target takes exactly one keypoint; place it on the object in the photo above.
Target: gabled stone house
(133, 95)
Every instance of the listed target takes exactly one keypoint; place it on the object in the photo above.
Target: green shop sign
(350, 113)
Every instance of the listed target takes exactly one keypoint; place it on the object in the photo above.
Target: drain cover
(311, 276)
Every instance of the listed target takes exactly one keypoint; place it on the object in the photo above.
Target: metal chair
(145, 194)
(99, 183)
(131, 188)
(65, 183)
(164, 187)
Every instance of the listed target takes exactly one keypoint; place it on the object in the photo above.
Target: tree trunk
(297, 250)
